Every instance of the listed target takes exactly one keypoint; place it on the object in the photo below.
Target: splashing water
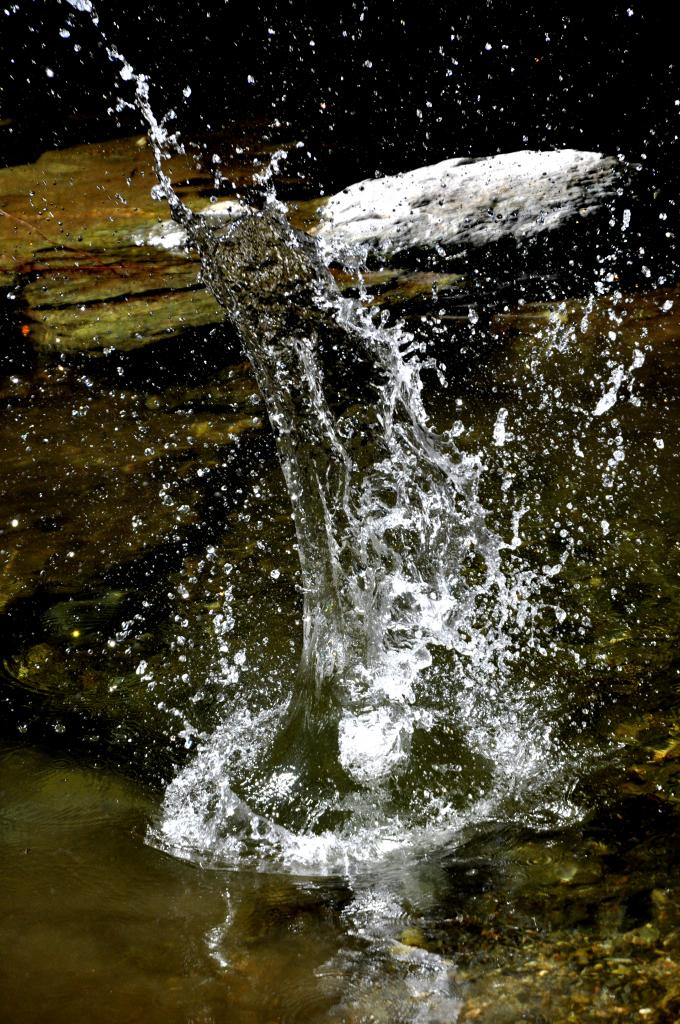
(397, 560)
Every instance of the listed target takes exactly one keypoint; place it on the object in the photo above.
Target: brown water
(96, 925)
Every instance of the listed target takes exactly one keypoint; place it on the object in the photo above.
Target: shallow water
(98, 925)
(561, 914)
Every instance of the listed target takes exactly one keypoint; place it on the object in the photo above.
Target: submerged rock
(91, 479)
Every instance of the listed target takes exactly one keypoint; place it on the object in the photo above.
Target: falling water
(397, 560)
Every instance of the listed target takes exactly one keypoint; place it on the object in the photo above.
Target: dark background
(383, 88)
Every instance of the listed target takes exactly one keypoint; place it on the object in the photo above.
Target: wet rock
(118, 302)
(96, 265)
(73, 249)
(467, 202)
(93, 478)
(123, 326)
(67, 248)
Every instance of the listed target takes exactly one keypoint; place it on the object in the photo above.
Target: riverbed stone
(92, 477)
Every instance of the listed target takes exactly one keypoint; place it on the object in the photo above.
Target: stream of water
(397, 558)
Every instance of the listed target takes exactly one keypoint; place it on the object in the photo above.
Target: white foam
(372, 744)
